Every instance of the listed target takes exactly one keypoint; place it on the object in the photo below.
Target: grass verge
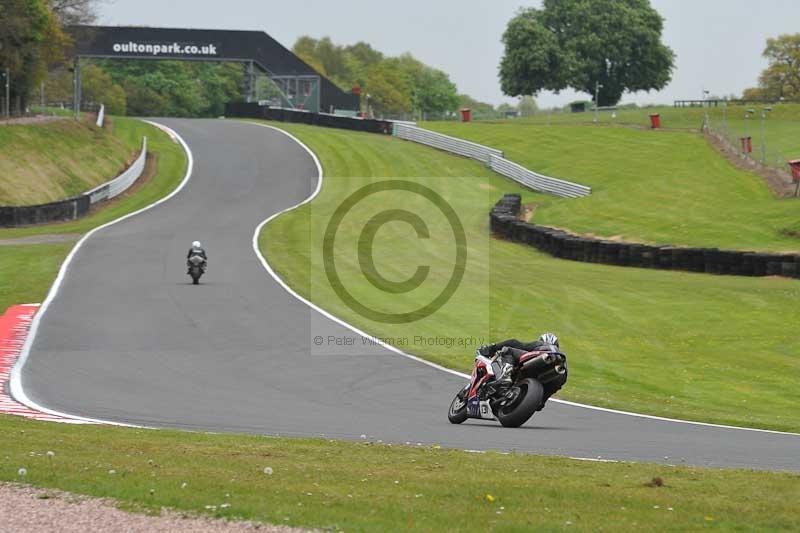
(659, 187)
(373, 487)
(27, 271)
(665, 343)
(171, 170)
(45, 162)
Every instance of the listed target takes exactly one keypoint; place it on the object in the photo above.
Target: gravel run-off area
(25, 509)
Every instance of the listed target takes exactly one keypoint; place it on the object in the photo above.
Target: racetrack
(128, 339)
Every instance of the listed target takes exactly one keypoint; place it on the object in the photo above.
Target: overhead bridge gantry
(272, 72)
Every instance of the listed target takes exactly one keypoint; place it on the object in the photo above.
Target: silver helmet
(549, 338)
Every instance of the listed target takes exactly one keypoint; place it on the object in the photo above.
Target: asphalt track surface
(128, 339)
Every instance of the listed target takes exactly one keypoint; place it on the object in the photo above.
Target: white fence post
(101, 116)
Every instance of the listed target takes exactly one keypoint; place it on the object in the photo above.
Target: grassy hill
(781, 127)
(660, 187)
(49, 161)
(664, 343)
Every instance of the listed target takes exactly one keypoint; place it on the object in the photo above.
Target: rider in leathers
(196, 249)
(508, 353)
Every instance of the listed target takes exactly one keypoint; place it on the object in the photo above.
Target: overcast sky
(718, 42)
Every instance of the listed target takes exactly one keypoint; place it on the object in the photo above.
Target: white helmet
(196, 244)
(549, 338)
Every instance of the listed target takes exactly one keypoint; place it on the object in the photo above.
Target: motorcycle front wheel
(530, 395)
(458, 409)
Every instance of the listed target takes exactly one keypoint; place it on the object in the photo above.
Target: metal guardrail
(101, 116)
(538, 182)
(494, 159)
(445, 142)
(122, 182)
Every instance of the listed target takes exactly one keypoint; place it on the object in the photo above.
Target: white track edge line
(391, 348)
(16, 389)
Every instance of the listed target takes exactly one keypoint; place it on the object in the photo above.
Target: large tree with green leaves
(578, 44)
(30, 40)
(781, 79)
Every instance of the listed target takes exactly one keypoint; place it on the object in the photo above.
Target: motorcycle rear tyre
(523, 408)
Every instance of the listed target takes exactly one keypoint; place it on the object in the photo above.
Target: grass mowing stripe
(662, 343)
(661, 187)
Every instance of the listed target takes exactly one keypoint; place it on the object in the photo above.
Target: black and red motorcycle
(536, 376)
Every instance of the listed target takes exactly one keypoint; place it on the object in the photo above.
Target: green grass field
(664, 343)
(342, 486)
(373, 487)
(42, 163)
(659, 187)
(781, 128)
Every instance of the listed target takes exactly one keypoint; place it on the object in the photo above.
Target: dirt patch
(778, 181)
(28, 509)
(108, 124)
(487, 187)
(527, 212)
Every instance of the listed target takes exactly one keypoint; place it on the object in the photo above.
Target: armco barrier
(493, 158)
(121, 183)
(446, 142)
(254, 110)
(77, 206)
(536, 181)
(505, 222)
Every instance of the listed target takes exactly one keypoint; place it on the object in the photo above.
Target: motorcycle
(197, 267)
(536, 376)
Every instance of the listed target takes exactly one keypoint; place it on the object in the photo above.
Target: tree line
(393, 85)
(781, 79)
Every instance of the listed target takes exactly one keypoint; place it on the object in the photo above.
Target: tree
(434, 92)
(176, 88)
(98, 88)
(70, 12)
(576, 44)
(781, 79)
(396, 84)
(527, 106)
(478, 107)
(506, 108)
(30, 39)
(389, 90)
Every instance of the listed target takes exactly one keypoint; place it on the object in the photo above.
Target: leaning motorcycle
(536, 376)
(197, 267)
